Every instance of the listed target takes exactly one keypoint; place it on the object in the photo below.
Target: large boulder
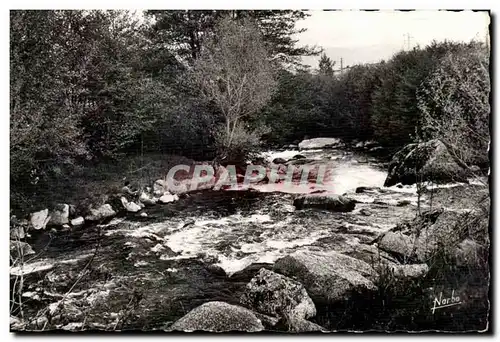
(40, 219)
(428, 161)
(434, 232)
(398, 244)
(276, 295)
(103, 212)
(328, 202)
(60, 215)
(218, 317)
(328, 276)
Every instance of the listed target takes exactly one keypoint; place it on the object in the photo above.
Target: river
(206, 246)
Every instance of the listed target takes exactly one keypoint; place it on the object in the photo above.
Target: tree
(454, 102)
(279, 31)
(233, 71)
(79, 92)
(326, 65)
(44, 106)
(184, 32)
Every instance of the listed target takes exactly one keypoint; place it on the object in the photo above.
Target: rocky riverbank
(354, 256)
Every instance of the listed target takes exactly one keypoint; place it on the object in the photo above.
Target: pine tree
(185, 31)
(326, 65)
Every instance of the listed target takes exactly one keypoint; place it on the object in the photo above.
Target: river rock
(103, 212)
(421, 238)
(147, 199)
(167, 198)
(60, 215)
(397, 243)
(160, 186)
(277, 295)
(318, 143)
(328, 202)
(218, 317)
(19, 248)
(130, 206)
(77, 221)
(40, 219)
(327, 276)
(430, 161)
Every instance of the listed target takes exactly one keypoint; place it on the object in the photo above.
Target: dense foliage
(410, 97)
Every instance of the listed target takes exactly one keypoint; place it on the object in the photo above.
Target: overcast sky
(365, 37)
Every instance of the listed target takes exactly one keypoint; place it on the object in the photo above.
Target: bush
(238, 147)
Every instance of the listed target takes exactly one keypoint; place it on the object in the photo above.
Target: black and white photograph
(250, 171)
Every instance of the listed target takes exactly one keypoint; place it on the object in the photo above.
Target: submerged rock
(277, 295)
(365, 212)
(279, 161)
(369, 189)
(329, 202)
(428, 161)
(328, 276)
(40, 219)
(103, 212)
(218, 317)
(60, 215)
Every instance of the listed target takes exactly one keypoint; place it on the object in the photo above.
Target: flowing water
(203, 247)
